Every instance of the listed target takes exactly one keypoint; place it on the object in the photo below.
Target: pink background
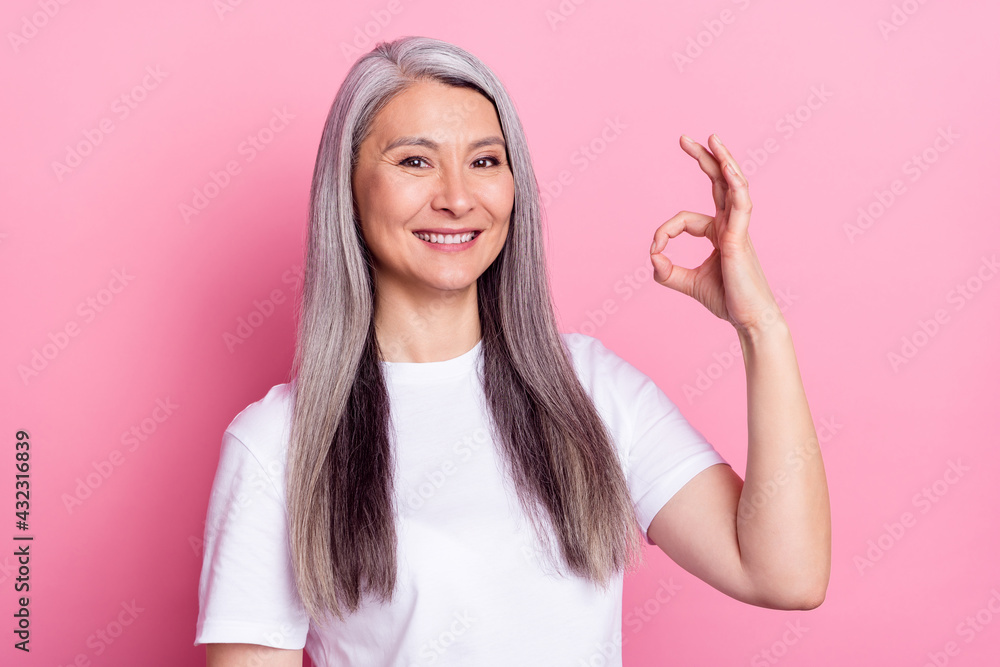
(910, 572)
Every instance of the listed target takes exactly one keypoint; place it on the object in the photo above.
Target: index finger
(710, 165)
(723, 155)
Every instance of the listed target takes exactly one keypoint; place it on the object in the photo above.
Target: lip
(464, 230)
(448, 247)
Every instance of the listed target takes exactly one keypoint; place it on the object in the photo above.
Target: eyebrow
(433, 145)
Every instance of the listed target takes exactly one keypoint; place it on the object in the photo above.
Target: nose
(453, 192)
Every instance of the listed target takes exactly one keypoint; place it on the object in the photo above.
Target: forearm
(783, 520)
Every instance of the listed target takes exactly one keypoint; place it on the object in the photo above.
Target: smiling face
(433, 168)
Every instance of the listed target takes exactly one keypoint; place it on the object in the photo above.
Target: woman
(448, 479)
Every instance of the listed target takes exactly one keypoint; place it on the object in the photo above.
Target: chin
(450, 280)
(455, 286)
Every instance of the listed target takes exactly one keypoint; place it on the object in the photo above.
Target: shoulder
(580, 343)
(264, 426)
(586, 351)
(600, 369)
(619, 390)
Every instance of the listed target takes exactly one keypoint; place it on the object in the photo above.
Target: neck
(429, 326)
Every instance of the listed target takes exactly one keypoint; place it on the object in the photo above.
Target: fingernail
(652, 248)
(687, 138)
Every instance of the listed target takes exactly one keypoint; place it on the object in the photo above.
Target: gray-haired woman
(448, 479)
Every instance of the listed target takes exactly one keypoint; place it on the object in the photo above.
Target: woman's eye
(416, 161)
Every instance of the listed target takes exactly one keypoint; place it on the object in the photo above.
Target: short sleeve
(659, 449)
(247, 593)
(665, 453)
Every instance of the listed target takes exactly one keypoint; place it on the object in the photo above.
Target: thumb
(670, 275)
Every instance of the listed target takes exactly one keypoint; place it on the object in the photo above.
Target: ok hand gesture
(730, 283)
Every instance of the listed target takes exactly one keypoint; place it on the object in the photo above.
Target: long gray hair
(555, 446)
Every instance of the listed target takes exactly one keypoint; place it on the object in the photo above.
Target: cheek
(395, 200)
(387, 203)
(500, 196)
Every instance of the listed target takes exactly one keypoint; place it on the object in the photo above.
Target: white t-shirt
(474, 586)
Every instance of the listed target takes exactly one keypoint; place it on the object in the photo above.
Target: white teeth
(446, 239)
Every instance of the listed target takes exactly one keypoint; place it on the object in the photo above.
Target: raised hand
(730, 283)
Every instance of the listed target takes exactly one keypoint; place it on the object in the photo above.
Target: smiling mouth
(446, 239)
